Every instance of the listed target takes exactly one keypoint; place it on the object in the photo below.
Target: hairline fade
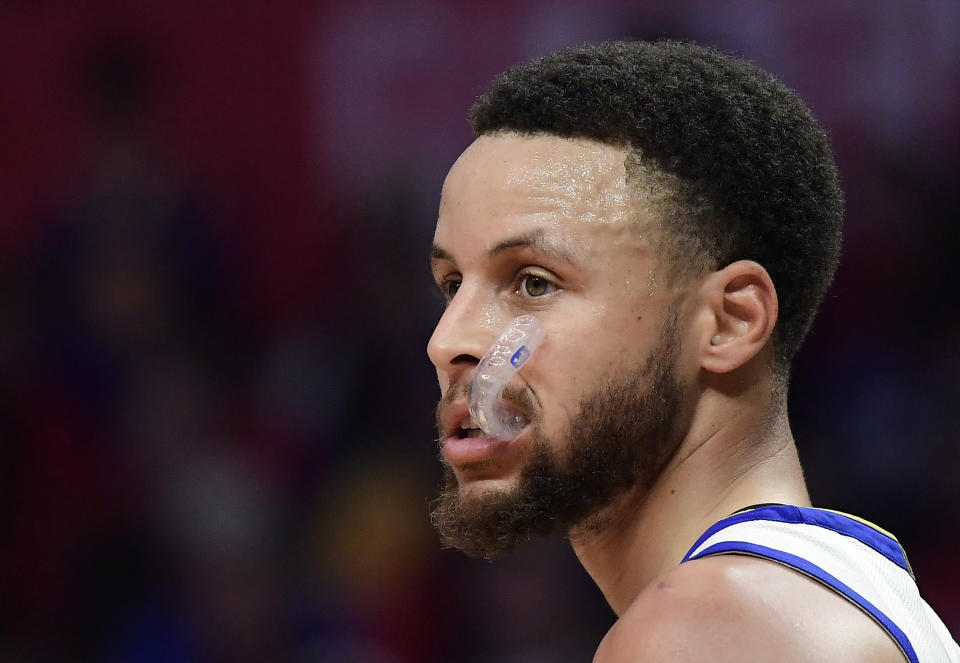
(741, 168)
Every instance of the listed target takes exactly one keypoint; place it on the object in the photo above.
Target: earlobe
(741, 303)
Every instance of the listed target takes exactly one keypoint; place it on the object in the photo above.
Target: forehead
(509, 182)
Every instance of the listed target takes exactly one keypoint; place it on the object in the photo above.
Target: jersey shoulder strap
(858, 560)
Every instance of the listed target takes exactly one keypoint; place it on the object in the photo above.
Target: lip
(466, 450)
(451, 416)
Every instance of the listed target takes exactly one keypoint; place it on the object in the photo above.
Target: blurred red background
(215, 400)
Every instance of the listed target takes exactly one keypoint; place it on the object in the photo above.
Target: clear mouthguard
(504, 358)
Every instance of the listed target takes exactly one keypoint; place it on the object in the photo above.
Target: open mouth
(469, 428)
(467, 444)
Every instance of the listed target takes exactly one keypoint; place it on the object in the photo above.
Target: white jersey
(856, 559)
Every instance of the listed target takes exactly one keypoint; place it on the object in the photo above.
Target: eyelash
(454, 280)
(522, 278)
(447, 283)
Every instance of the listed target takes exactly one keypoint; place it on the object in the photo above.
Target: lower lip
(463, 450)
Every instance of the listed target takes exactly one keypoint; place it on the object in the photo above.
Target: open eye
(449, 286)
(534, 285)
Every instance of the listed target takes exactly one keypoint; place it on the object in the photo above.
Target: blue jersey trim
(816, 572)
(785, 513)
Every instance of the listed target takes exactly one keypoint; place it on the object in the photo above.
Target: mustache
(516, 397)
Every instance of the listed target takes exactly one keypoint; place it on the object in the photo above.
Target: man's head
(650, 204)
(745, 170)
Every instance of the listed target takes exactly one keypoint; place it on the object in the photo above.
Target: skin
(552, 217)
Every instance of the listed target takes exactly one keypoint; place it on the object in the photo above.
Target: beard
(619, 441)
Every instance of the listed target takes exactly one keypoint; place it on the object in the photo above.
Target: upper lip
(452, 415)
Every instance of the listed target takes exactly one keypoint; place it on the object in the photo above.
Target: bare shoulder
(738, 608)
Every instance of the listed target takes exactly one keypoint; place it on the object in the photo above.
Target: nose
(464, 333)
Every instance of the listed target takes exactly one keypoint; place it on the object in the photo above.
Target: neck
(715, 472)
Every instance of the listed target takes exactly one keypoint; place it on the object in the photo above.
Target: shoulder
(738, 608)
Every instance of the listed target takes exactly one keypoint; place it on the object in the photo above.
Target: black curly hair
(746, 169)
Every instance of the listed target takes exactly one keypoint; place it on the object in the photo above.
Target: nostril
(465, 359)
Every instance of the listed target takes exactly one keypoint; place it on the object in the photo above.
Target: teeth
(469, 428)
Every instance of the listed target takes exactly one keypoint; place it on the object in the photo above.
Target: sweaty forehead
(562, 179)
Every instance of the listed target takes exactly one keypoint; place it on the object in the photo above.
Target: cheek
(572, 365)
(443, 381)
(578, 357)
(600, 344)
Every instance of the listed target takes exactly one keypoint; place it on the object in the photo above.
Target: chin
(470, 489)
(483, 477)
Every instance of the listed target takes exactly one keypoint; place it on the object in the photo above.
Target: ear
(739, 310)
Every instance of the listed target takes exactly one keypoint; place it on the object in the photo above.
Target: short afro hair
(749, 171)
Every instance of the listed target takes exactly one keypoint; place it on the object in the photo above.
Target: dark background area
(215, 400)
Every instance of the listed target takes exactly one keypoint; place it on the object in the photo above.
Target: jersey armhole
(818, 574)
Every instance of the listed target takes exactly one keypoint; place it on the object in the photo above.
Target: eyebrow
(437, 253)
(535, 240)
(538, 241)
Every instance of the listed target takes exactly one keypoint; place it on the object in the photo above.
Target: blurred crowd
(215, 401)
